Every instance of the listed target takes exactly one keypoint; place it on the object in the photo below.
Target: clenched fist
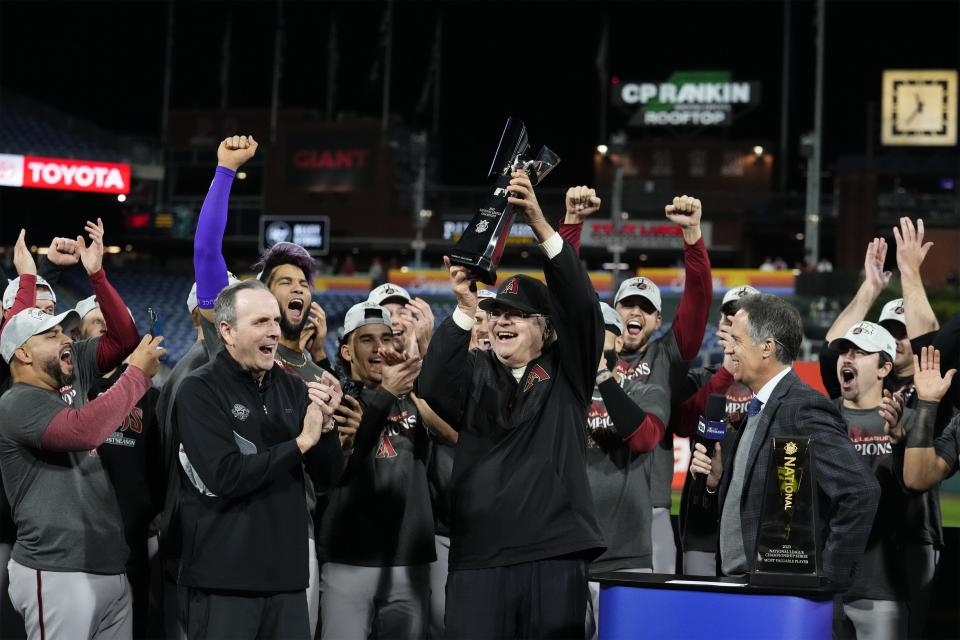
(686, 212)
(235, 151)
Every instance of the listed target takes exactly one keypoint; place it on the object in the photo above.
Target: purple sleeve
(208, 264)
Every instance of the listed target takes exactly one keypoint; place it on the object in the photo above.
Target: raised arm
(27, 270)
(576, 314)
(690, 321)
(910, 254)
(121, 337)
(580, 203)
(208, 264)
(874, 281)
(926, 462)
(445, 379)
(638, 430)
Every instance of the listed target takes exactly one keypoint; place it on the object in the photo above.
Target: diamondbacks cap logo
(511, 287)
(537, 374)
(640, 284)
(240, 412)
(742, 292)
(790, 448)
(857, 331)
(482, 226)
(387, 289)
(899, 310)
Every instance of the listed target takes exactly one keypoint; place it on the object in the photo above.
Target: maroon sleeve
(87, 428)
(694, 406)
(690, 321)
(646, 436)
(121, 337)
(26, 295)
(571, 233)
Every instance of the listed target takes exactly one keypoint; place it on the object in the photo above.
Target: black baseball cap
(522, 293)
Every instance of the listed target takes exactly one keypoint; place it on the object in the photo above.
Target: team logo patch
(482, 226)
(385, 450)
(742, 292)
(640, 283)
(857, 331)
(389, 290)
(511, 287)
(240, 412)
(899, 310)
(537, 374)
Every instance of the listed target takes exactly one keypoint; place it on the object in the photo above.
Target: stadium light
(121, 198)
(758, 151)
(602, 149)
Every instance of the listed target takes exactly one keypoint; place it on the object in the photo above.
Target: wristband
(921, 435)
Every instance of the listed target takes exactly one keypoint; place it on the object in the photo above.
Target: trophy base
(481, 267)
(792, 580)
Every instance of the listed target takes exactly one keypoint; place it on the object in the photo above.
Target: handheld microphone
(711, 429)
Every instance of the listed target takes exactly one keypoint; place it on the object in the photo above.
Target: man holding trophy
(523, 528)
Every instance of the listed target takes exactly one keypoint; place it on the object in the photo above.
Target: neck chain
(294, 364)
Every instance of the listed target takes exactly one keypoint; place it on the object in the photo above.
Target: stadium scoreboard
(310, 232)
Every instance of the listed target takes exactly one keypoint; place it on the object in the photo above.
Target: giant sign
(64, 174)
(331, 160)
(686, 98)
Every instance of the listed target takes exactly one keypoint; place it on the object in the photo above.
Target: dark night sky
(104, 62)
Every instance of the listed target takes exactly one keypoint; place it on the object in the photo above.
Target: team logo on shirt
(511, 287)
(240, 412)
(537, 374)
(385, 450)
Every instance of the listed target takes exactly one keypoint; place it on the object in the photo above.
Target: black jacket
(520, 489)
(251, 533)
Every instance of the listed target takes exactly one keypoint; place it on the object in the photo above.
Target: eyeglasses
(496, 314)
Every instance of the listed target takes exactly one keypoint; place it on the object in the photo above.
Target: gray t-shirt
(620, 485)
(661, 365)
(63, 503)
(881, 571)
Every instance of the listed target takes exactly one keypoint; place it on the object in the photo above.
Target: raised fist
(235, 151)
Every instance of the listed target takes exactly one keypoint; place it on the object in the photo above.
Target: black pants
(217, 615)
(542, 599)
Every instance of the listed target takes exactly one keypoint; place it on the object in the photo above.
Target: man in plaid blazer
(763, 341)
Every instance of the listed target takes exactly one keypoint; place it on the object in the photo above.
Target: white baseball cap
(640, 286)
(385, 292)
(893, 310)
(365, 313)
(85, 306)
(738, 292)
(31, 322)
(611, 319)
(192, 296)
(10, 293)
(868, 336)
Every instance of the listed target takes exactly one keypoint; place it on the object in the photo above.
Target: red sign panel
(76, 175)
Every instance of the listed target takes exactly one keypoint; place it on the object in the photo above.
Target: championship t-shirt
(63, 503)
(381, 516)
(620, 485)
(660, 364)
(880, 574)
